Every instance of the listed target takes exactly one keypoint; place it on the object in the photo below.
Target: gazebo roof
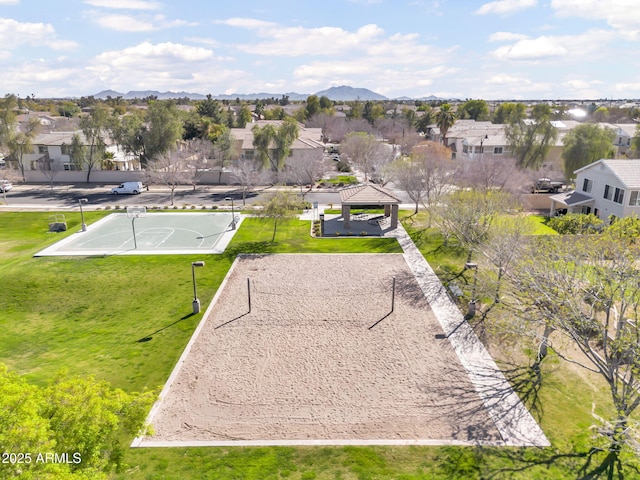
(368, 194)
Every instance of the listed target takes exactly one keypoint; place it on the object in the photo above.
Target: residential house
(607, 188)
(309, 139)
(52, 152)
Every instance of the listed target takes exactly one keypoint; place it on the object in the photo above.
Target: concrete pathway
(516, 425)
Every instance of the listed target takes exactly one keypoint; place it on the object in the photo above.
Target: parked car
(133, 188)
(5, 185)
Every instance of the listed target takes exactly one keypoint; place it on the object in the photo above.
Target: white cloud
(503, 7)
(14, 33)
(506, 37)
(590, 43)
(506, 79)
(128, 23)
(124, 23)
(124, 4)
(531, 49)
(622, 15)
(250, 23)
(163, 66)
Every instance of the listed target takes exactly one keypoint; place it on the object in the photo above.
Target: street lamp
(196, 301)
(233, 217)
(472, 304)
(486, 137)
(80, 202)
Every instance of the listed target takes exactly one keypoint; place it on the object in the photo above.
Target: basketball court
(138, 232)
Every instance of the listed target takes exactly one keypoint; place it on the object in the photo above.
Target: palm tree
(445, 119)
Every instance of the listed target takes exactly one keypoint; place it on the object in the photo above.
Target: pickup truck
(546, 185)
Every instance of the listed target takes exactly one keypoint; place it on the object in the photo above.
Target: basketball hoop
(133, 213)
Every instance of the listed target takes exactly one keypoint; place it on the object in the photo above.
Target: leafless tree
(425, 174)
(307, 168)
(170, 169)
(364, 151)
(249, 173)
(48, 170)
(582, 297)
(489, 172)
(467, 215)
(197, 154)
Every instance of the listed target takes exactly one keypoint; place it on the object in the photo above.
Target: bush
(576, 224)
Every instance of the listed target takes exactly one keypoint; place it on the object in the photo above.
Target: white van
(128, 187)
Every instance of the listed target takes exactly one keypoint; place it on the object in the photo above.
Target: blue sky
(504, 49)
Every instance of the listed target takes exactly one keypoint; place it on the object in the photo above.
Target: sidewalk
(514, 422)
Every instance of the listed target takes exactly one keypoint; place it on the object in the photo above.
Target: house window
(465, 149)
(586, 185)
(497, 150)
(42, 149)
(65, 149)
(634, 198)
(618, 196)
(586, 210)
(608, 192)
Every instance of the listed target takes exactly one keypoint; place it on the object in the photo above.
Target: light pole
(486, 137)
(196, 301)
(233, 216)
(80, 202)
(472, 304)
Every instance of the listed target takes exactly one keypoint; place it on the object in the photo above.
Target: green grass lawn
(88, 314)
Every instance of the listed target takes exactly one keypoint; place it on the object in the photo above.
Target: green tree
(281, 206)
(244, 117)
(164, 128)
(83, 418)
(210, 108)
(530, 141)
(273, 144)
(94, 129)
(586, 144)
(445, 118)
(129, 132)
(150, 135)
(372, 111)
(426, 118)
(312, 106)
(326, 105)
(509, 112)
(477, 110)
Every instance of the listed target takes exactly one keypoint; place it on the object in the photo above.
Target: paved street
(65, 197)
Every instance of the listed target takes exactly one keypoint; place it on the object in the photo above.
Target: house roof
(626, 171)
(368, 194)
(57, 138)
(571, 198)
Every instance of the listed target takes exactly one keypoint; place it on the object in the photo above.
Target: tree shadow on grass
(149, 337)
(256, 248)
(590, 465)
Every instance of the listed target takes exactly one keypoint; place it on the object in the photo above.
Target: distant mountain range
(339, 94)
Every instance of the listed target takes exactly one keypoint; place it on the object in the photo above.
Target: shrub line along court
(509, 422)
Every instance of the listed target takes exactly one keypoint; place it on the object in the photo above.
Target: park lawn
(87, 315)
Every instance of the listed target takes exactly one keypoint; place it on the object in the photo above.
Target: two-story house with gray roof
(606, 188)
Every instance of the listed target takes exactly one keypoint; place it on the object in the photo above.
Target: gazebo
(369, 195)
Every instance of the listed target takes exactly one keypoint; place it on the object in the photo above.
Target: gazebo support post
(346, 215)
